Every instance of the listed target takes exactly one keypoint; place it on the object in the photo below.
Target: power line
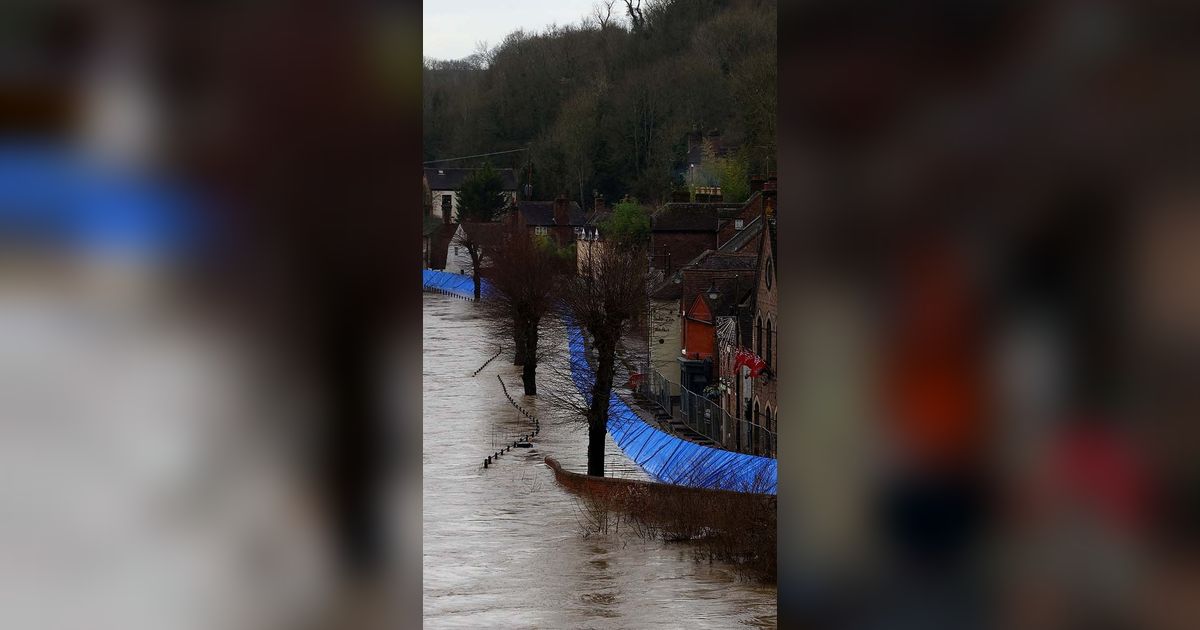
(475, 156)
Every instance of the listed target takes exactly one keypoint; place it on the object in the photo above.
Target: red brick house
(682, 231)
(764, 406)
(715, 286)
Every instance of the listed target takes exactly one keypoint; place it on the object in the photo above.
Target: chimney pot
(560, 211)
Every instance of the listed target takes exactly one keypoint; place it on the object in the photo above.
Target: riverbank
(503, 546)
(734, 527)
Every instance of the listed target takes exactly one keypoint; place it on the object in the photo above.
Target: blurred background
(204, 418)
(991, 288)
(992, 299)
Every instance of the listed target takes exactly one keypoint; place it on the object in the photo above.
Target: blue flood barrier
(452, 283)
(666, 457)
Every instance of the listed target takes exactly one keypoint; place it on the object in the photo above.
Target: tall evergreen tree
(481, 197)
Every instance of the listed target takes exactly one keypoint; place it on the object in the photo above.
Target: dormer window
(738, 224)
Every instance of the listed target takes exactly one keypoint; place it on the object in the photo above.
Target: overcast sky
(450, 28)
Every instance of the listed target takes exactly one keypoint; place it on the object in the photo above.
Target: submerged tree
(524, 274)
(480, 240)
(604, 300)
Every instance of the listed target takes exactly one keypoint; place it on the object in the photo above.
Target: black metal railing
(707, 418)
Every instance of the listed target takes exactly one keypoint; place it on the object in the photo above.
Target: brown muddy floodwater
(506, 547)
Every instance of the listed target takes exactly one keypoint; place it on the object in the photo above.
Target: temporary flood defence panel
(668, 458)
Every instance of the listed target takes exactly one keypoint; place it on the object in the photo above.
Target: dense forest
(608, 104)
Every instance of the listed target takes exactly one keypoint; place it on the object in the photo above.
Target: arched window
(770, 341)
(770, 426)
(758, 327)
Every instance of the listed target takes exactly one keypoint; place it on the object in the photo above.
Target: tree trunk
(475, 278)
(518, 343)
(529, 373)
(598, 412)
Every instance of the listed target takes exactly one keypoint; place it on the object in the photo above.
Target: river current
(505, 547)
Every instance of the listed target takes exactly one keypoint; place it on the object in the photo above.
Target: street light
(713, 292)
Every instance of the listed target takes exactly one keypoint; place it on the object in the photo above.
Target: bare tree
(636, 18)
(602, 13)
(604, 300)
(524, 274)
(476, 237)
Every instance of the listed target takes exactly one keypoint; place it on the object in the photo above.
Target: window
(770, 271)
(447, 200)
(754, 430)
(758, 326)
(540, 230)
(455, 251)
(770, 339)
(770, 427)
(737, 224)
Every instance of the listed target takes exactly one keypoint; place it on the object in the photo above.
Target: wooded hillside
(607, 104)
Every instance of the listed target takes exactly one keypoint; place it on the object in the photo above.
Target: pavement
(656, 416)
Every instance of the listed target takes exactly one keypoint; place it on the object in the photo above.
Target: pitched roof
(728, 261)
(745, 237)
(541, 213)
(690, 217)
(730, 292)
(744, 264)
(452, 178)
(598, 216)
(430, 225)
(485, 233)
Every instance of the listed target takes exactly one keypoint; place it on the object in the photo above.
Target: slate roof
(743, 264)
(430, 225)
(691, 217)
(542, 213)
(726, 298)
(728, 261)
(484, 232)
(745, 237)
(452, 178)
(598, 216)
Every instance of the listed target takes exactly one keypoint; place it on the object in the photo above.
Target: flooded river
(506, 547)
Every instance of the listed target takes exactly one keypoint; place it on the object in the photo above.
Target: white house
(486, 235)
(443, 183)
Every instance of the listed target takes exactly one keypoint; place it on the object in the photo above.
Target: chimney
(768, 193)
(597, 202)
(514, 217)
(560, 211)
(756, 183)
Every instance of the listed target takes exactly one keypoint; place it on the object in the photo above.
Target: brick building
(764, 406)
(682, 231)
(559, 219)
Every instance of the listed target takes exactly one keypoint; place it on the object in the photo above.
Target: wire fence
(707, 418)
